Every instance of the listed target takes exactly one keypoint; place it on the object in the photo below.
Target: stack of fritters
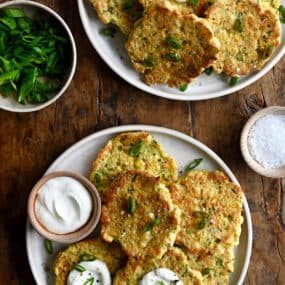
(153, 219)
(173, 41)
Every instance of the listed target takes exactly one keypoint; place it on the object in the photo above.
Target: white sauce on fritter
(63, 205)
(161, 276)
(93, 272)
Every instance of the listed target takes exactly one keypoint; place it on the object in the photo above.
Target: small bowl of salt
(263, 142)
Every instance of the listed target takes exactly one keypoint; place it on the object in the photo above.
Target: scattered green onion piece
(208, 70)
(238, 25)
(9, 22)
(281, 10)
(128, 4)
(90, 281)
(79, 268)
(98, 178)
(13, 12)
(25, 24)
(135, 149)
(173, 43)
(108, 32)
(156, 221)
(132, 205)
(194, 164)
(193, 2)
(233, 81)
(202, 224)
(183, 87)
(173, 56)
(267, 52)
(147, 227)
(48, 246)
(149, 62)
(205, 271)
(87, 257)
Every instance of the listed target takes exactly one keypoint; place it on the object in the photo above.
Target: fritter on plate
(211, 211)
(123, 13)
(110, 253)
(247, 33)
(131, 151)
(170, 47)
(174, 259)
(139, 214)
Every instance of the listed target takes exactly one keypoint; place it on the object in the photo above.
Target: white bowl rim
(74, 54)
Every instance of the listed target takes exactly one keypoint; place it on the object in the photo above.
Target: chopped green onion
(194, 164)
(149, 62)
(161, 283)
(193, 2)
(9, 22)
(173, 56)
(147, 227)
(98, 178)
(13, 12)
(108, 32)
(281, 10)
(233, 81)
(205, 271)
(87, 257)
(208, 70)
(238, 25)
(128, 4)
(135, 149)
(48, 246)
(267, 52)
(132, 205)
(183, 87)
(79, 268)
(90, 281)
(202, 224)
(200, 214)
(173, 43)
(156, 221)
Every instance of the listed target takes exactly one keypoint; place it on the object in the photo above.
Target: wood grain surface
(97, 99)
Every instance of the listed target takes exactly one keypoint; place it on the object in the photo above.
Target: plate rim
(165, 131)
(180, 97)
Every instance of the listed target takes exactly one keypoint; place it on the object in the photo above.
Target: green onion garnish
(193, 2)
(13, 12)
(156, 221)
(79, 268)
(281, 10)
(161, 283)
(202, 224)
(147, 227)
(194, 164)
(238, 25)
(108, 32)
(89, 281)
(98, 178)
(128, 4)
(48, 246)
(135, 149)
(149, 62)
(183, 87)
(132, 205)
(173, 43)
(267, 52)
(205, 271)
(173, 56)
(208, 70)
(233, 81)
(87, 257)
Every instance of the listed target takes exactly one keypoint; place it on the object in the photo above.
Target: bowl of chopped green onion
(37, 56)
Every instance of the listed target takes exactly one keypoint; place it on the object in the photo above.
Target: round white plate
(183, 148)
(204, 87)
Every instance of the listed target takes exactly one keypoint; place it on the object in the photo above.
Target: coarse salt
(266, 141)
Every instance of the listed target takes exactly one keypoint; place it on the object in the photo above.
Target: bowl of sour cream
(64, 207)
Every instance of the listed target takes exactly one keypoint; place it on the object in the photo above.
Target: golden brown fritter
(123, 13)
(247, 33)
(131, 151)
(110, 253)
(211, 211)
(171, 47)
(140, 215)
(174, 260)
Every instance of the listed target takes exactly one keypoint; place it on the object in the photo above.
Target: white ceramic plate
(204, 87)
(183, 148)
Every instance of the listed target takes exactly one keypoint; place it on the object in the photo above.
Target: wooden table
(98, 99)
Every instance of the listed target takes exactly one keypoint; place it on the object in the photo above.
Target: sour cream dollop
(96, 272)
(63, 205)
(164, 275)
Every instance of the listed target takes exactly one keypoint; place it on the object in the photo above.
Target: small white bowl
(77, 235)
(252, 163)
(10, 103)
